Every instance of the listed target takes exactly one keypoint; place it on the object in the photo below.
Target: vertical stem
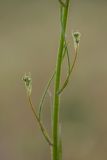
(57, 86)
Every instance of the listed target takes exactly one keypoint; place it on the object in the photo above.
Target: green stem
(57, 86)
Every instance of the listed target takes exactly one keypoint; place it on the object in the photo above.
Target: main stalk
(57, 85)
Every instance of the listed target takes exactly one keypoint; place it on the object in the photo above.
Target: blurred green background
(29, 32)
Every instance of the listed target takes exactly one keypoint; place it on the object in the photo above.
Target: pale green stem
(65, 52)
(57, 86)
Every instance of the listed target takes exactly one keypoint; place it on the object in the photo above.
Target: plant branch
(44, 132)
(44, 95)
(68, 59)
(69, 74)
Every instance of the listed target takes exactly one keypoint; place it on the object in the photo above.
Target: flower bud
(76, 38)
(28, 83)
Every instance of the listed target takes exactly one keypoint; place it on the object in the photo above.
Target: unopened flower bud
(28, 83)
(76, 38)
